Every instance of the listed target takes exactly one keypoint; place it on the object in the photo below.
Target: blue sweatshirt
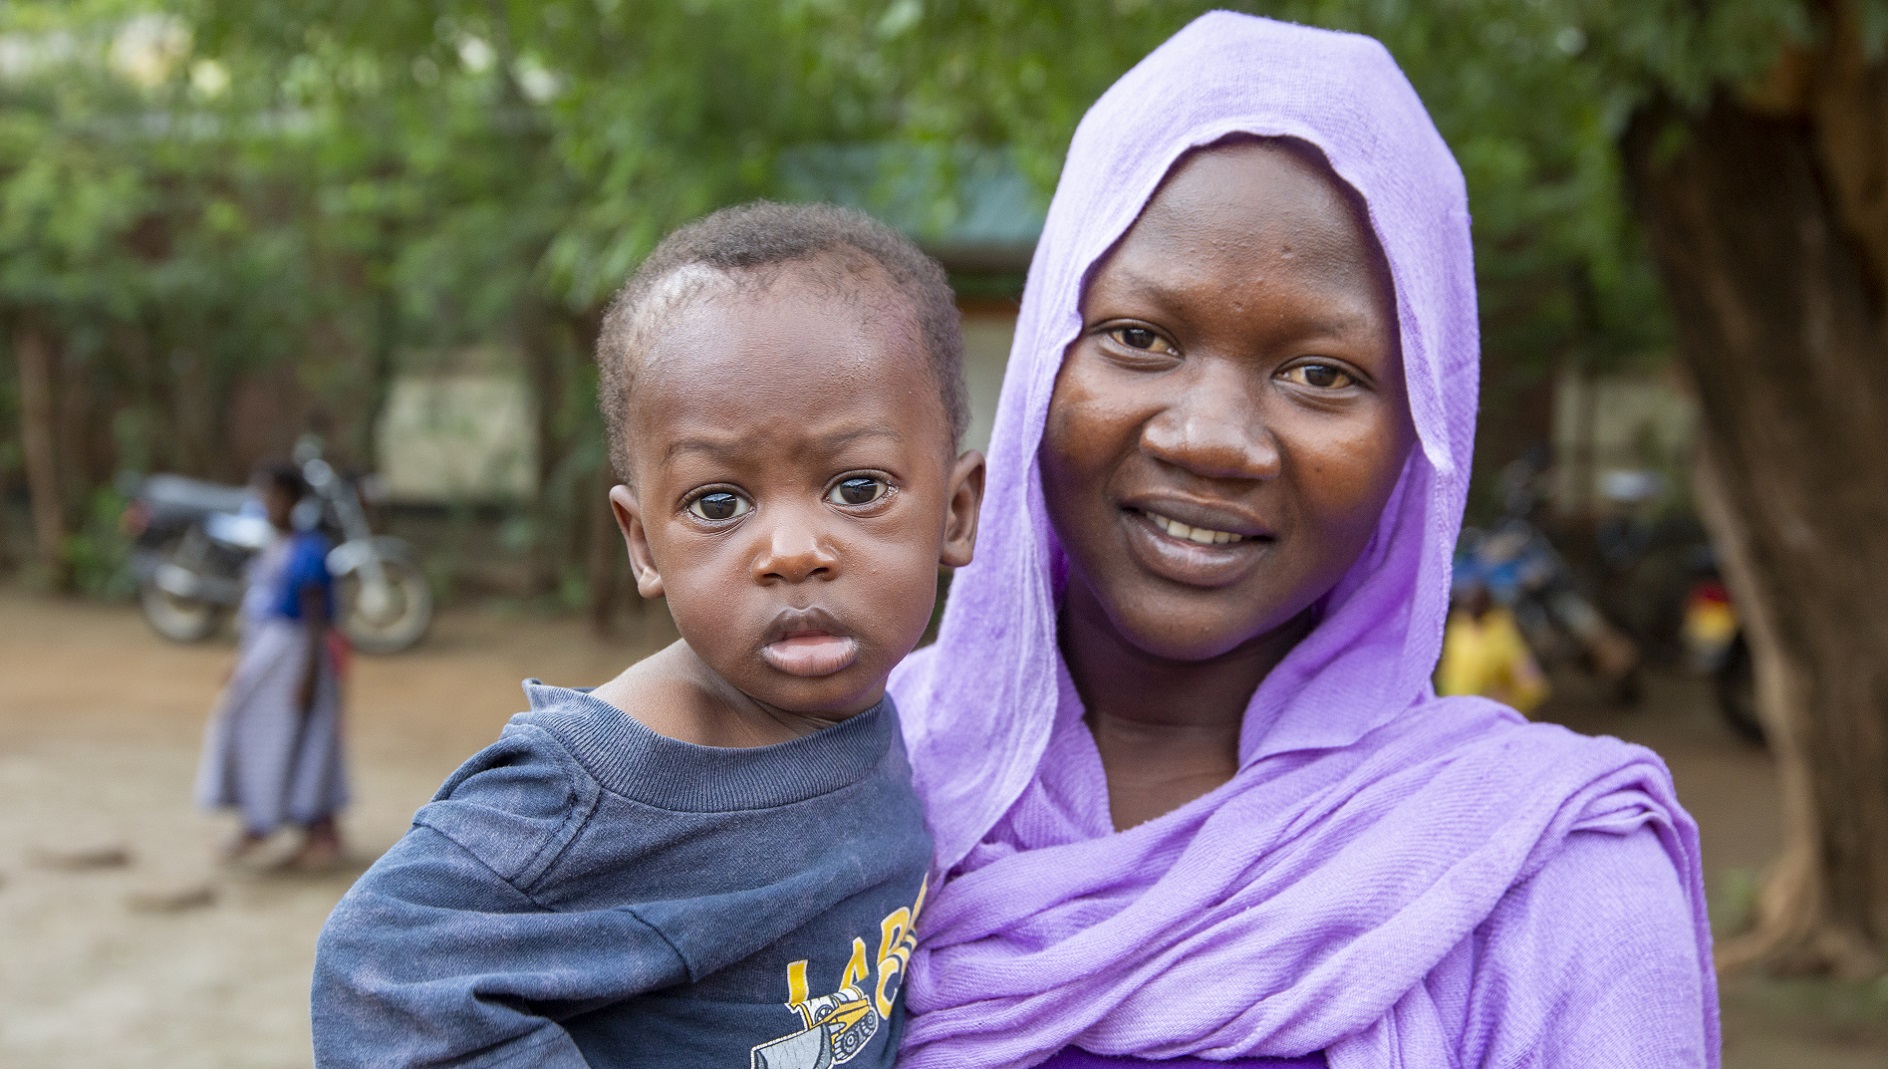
(586, 892)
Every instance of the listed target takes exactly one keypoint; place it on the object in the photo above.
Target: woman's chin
(1192, 629)
(1179, 631)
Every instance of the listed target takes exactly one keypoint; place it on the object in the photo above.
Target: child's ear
(960, 521)
(642, 564)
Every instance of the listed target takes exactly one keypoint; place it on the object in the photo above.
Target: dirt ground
(122, 944)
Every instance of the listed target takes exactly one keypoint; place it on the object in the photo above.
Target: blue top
(307, 565)
(586, 892)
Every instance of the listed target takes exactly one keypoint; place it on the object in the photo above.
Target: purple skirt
(1076, 1058)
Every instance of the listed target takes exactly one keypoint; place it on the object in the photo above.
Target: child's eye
(1142, 339)
(858, 490)
(719, 505)
(1320, 376)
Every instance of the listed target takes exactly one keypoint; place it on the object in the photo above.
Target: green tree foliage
(149, 250)
(191, 190)
(639, 116)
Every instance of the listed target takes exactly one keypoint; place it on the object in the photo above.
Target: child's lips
(811, 653)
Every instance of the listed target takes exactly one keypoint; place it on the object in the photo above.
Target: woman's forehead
(1246, 193)
(1229, 209)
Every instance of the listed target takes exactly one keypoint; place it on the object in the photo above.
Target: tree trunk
(382, 367)
(546, 371)
(1777, 291)
(195, 418)
(6, 522)
(604, 558)
(39, 431)
(606, 562)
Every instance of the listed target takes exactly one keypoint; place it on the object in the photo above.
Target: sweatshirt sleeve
(1592, 962)
(440, 956)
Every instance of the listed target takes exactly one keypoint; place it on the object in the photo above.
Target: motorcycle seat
(175, 497)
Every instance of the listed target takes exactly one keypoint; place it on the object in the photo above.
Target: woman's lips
(811, 654)
(1205, 536)
(1193, 556)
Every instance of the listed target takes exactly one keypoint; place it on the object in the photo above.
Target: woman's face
(1227, 427)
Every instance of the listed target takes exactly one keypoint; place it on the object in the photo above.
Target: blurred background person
(1484, 652)
(273, 750)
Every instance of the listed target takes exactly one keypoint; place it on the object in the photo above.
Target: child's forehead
(796, 348)
(716, 327)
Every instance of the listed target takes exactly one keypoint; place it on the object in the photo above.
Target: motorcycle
(1659, 575)
(1714, 643)
(192, 541)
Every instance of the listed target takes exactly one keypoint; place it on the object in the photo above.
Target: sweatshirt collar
(630, 759)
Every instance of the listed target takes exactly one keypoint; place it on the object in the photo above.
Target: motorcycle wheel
(176, 618)
(400, 623)
(1736, 687)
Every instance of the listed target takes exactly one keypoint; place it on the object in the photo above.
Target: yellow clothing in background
(1489, 657)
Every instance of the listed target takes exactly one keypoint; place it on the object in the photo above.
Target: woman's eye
(1320, 376)
(719, 505)
(1141, 338)
(858, 490)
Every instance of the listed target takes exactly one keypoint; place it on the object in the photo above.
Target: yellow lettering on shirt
(898, 940)
(895, 944)
(856, 969)
(797, 992)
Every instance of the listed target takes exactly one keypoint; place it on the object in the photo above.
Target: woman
(1194, 796)
(273, 749)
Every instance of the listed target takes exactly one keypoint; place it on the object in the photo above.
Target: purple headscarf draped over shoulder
(1371, 826)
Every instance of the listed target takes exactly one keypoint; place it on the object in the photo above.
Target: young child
(273, 750)
(716, 858)
(1484, 652)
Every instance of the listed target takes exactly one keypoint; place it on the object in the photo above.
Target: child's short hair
(844, 245)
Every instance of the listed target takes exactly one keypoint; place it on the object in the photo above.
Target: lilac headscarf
(1371, 826)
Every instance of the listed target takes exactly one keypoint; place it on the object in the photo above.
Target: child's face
(795, 488)
(1227, 427)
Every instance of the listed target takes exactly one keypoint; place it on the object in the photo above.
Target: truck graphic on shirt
(838, 1026)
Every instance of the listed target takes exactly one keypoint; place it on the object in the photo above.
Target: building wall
(1617, 430)
(988, 331)
(457, 438)
(464, 436)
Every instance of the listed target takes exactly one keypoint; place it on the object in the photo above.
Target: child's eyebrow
(847, 436)
(737, 446)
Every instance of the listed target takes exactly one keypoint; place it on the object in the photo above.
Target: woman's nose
(794, 551)
(1214, 428)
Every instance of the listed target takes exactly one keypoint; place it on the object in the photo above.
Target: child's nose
(795, 551)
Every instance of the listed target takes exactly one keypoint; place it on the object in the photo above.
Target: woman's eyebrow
(1338, 317)
(1124, 280)
(1336, 323)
